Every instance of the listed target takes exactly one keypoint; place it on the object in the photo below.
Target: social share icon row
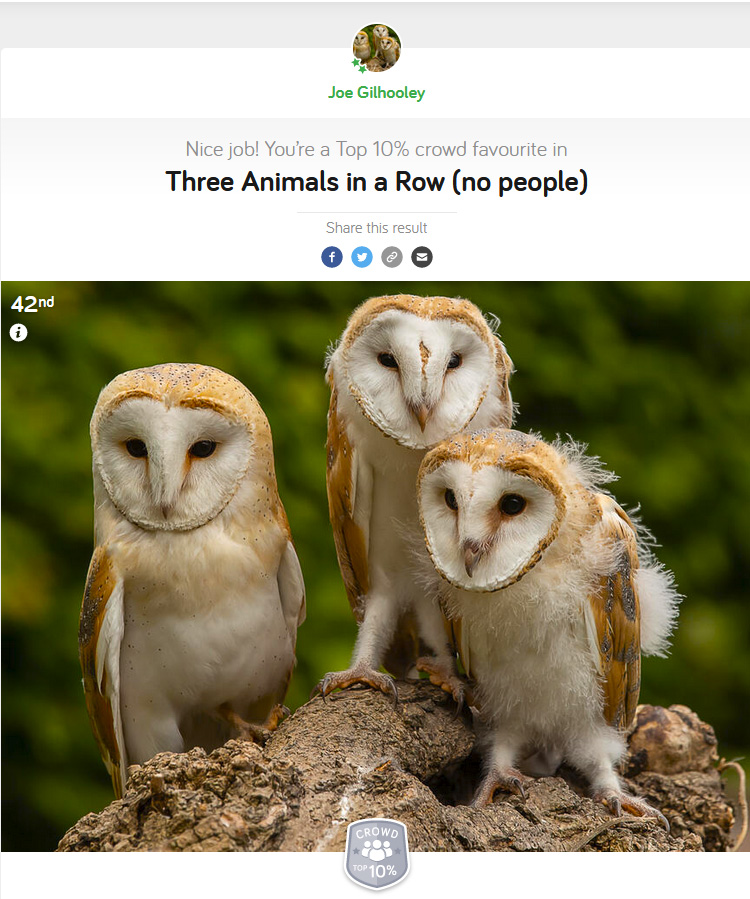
(362, 257)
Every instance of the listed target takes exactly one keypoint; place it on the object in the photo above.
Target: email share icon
(422, 257)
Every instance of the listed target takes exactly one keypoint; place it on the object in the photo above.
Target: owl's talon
(395, 692)
(322, 688)
(246, 730)
(618, 803)
(275, 717)
(363, 675)
(509, 780)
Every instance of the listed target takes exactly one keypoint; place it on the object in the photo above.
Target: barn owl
(554, 595)
(194, 593)
(378, 33)
(362, 46)
(390, 51)
(407, 373)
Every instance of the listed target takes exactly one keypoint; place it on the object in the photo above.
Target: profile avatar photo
(377, 47)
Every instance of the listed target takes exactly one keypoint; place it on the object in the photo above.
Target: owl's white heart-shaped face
(361, 40)
(170, 467)
(485, 526)
(418, 380)
(380, 31)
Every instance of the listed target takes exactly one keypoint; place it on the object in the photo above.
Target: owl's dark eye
(137, 448)
(203, 449)
(455, 361)
(512, 504)
(450, 500)
(388, 360)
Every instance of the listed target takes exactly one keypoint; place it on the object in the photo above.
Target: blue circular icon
(332, 256)
(362, 257)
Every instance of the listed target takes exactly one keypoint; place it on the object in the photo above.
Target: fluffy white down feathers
(555, 594)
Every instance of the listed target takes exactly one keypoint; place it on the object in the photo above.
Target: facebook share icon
(332, 256)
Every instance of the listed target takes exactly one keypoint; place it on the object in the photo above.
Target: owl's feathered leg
(375, 634)
(595, 755)
(441, 667)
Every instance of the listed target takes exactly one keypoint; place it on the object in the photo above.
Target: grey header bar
(304, 26)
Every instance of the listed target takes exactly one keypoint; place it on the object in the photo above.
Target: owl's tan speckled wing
(349, 537)
(617, 620)
(99, 636)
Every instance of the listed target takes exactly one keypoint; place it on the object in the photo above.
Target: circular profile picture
(377, 47)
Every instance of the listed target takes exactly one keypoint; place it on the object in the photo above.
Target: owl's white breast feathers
(529, 651)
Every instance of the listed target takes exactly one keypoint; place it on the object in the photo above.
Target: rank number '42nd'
(32, 304)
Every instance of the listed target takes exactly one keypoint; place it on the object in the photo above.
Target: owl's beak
(473, 553)
(422, 413)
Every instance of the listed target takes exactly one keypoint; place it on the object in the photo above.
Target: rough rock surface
(356, 756)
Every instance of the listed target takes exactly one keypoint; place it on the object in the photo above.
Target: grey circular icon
(18, 332)
(422, 257)
(392, 257)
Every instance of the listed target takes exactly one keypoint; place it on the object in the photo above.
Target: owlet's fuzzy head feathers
(490, 504)
(494, 503)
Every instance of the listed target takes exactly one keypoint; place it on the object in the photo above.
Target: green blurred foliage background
(654, 377)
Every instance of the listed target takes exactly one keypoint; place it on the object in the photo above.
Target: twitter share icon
(362, 257)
